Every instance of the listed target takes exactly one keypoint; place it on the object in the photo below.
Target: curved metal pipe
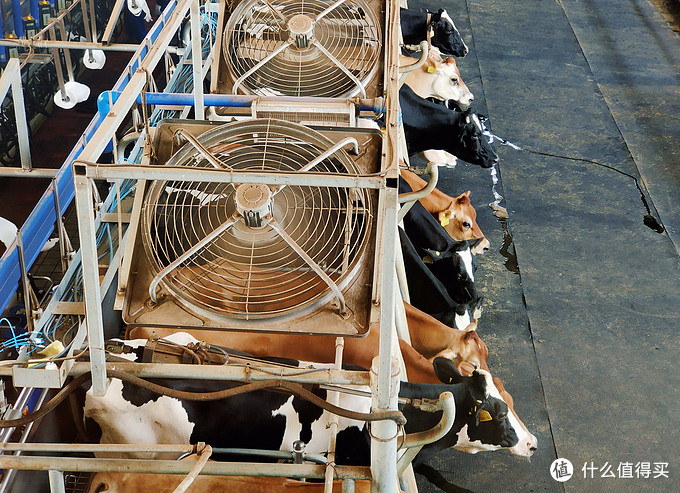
(404, 70)
(409, 198)
(413, 442)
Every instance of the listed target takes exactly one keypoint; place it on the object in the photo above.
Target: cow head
(472, 145)
(459, 219)
(447, 83)
(441, 80)
(488, 422)
(445, 35)
(468, 352)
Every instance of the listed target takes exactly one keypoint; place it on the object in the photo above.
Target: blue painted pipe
(18, 18)
(35, 12)
(187, 99)
(3, 52)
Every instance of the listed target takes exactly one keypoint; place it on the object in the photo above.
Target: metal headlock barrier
(390, 452)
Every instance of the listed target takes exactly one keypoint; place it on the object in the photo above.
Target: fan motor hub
(301, 28)
(253, 201)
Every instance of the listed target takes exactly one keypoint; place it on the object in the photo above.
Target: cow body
(357, 351)
(415, 24)
(272, 420)
(428, 125)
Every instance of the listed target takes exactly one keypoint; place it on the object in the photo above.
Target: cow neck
(418, 420)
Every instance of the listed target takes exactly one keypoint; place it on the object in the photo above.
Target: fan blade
(310, 261)
(189, 253)
(324, 155)
(260, 64)
(349, 74)
(329, 9)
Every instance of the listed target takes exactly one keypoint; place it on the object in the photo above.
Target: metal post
(57, 482)
(67, 53)
(90, 267)
(24, 281)
(113, 20)
(8, 478)
(197, 59)
(57, 63)
(60, 227)
(11, 79)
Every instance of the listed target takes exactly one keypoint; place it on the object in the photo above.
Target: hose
(291, 387)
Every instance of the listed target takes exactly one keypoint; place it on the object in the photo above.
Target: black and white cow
(273, 420)
(429, 125)
(429, 294)
(414, 26)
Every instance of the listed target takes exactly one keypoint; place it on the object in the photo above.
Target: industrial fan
(317, 48)
(239, 255)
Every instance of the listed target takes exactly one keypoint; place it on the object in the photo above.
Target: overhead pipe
(227, 100)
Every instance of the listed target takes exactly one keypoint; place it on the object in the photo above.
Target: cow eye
(466, 224)
(502, 416)
(454, 80)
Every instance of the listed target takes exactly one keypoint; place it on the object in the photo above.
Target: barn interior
(580, 285)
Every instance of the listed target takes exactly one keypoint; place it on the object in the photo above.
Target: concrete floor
(581, 297)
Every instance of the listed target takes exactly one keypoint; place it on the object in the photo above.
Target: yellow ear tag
(444, 222)
(484, 416)
(431, 69)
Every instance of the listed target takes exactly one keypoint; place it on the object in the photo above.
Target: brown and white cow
(464, 348)
(438, 79)
(456, 215)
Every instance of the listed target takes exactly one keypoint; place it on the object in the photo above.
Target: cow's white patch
(320, 428)
(447, 18)
(466, 256)
(465, 444)
(163, 420)
(525, 439)
(462, 321)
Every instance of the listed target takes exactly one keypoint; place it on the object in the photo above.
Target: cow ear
(446, 371)
(472, 327)
(429, 66)
(463, 199)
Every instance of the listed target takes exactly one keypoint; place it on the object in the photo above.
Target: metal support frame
(11, 79)
(197, 59)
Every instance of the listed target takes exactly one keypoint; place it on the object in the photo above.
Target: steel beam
(217, 372)
(185, 173)
(83, 464)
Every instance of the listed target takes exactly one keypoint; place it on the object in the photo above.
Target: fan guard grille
(250, 272)
(342, 34)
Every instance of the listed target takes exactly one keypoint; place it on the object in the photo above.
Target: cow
(456, 215)
(434, 296)
(429, 125)
(415, 26)
(438, 79)
(466, 349)
(275, 420)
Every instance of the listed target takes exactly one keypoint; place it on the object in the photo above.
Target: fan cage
(347, 31)
(252, 273)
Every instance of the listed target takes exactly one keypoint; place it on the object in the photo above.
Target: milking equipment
(310, 151)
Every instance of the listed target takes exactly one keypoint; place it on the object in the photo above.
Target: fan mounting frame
(321, 317)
